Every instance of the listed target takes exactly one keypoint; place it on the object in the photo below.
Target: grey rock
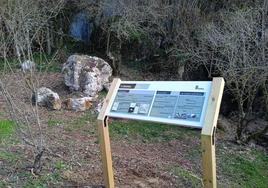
(79, 104)
(98, 107)
(86, 73)
(27, 66)
(46, 97)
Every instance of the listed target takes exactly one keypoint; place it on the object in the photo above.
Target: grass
(6, 128)
(3, 183)
(188, 177)
(237, 169)
(245, 168)
(11, 157)
(1, 114)
(44, 63)
(44, 181)
(51, 178)
(148, 131)
(60, 165)
(80, 123)
(54, 122)
(8, 64)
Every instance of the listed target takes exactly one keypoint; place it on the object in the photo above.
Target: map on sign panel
(181, 103)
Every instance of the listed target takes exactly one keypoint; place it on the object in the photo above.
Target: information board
(188, 103)
(172, 102)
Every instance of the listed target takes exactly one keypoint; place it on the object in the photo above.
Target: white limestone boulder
(79, 104)
(27, 66)
(46, 97)
(88, 74)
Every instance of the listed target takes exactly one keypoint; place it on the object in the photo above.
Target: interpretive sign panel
(188, 103)
(172, 102)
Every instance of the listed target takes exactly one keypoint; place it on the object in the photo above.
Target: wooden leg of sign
(106, 153)
(102, 123)
(208, 161)
(208, 134)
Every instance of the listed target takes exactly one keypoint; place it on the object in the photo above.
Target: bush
(235, 46)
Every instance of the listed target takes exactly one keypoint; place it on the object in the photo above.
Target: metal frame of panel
(208, 123)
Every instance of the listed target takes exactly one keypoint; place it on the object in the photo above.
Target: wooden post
(102, 123)
(208, 134)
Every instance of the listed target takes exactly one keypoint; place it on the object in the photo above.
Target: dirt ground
(74, 154)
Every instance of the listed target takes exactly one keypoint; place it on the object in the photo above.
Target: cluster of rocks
(50, 99)
(82, 73)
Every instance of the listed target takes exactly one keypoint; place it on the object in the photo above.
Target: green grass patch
(148, 131)
(194, 154)
(188, 178)
(44, 181)
(1, 114)
(3, 184)
(59, 165)
(102, 94)
(6, 128)
(245, 169)
(7, 65)
(81, 122)
(9, 156)
(54, 122)
(44, 63)
(52, 179)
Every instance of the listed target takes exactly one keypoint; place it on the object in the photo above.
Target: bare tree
(23, 25)
(236, 47)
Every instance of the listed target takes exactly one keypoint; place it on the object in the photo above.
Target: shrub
(235, 46)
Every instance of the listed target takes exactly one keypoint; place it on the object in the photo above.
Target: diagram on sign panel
(189, 106)
(133, 102)
(144, 108)
(134, 108)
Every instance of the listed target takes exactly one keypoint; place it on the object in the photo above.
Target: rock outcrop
(46, 97)
(87, 73)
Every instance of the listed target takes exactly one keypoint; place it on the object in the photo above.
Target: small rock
(98, 107)
(67, 174)
(79, 104)
(172, 143)
(107, 86)
(139, 184)
(252, 144)
(154, 181)
(46, 97)
(27, 66)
